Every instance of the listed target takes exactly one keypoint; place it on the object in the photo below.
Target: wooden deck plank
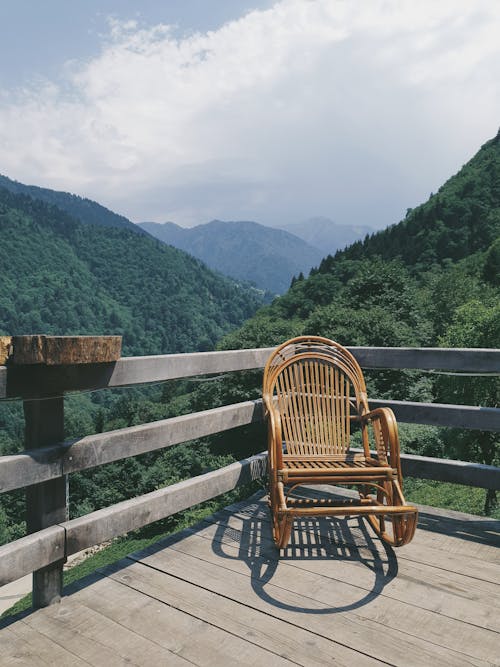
(217, 594)
(21, 646)
(416, 584)
(258, 627)
(482, 576)
(95, 639)
(310, 600)
(175, 633)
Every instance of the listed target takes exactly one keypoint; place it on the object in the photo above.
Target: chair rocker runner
(313, 392)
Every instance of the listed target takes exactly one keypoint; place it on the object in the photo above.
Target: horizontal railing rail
(40, 465)
(127, 371)
(43, 468)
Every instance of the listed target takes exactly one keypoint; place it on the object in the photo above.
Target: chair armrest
(275, 448)
(385, 430)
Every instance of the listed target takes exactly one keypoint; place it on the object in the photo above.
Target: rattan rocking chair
(313, 392)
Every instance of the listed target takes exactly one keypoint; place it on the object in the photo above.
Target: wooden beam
(27, 380)
(47, 502)
(31, 467)
(131, 514)
(439, 414)
(3, 382)
(447, 470)
(474, 360)
(48, 463)
(95, 450)
(64, 350)
(5, 348)
(31, 553)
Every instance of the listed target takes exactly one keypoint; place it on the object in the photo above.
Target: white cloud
(349, 109)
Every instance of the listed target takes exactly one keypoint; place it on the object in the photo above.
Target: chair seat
(335, 467)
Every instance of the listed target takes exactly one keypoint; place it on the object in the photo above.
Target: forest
(431, 280)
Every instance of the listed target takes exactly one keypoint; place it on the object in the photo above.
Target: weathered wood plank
(325, 585)
(102, 448)
(31, 467)
(3, 382)
(40, 465)
(474, 360)
(131, 514)
(439, 414)
(158, 368)
(5, 348)
(322, 606)
(99, 640)
(146, 618)
(262, 629)
(31, 553)
(428, 587)
(24, 647)
(64, 350)
(134, 370)
(47, 502)
(446, 470)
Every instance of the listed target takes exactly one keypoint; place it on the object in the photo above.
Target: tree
(475, 324)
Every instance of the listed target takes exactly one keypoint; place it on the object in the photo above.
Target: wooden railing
(44, 467)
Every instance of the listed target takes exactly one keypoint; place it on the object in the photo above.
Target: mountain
(409, 284)
(60, 276)
(85, 210)
(433, 279)
(264, 256)
(327, 235)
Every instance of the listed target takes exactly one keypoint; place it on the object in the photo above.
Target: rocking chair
(313, 392)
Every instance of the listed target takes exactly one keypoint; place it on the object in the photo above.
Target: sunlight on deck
(217, 594)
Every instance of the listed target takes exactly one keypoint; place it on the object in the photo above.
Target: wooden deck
(217, 594)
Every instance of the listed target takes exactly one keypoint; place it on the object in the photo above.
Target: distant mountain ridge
(265, 256)
(85, 210)
(326, 234)
(63, 277)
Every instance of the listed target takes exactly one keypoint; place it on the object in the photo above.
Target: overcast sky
(189, 110)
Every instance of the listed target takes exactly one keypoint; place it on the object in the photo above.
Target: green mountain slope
(463, 217)
(60, 276)
(264, 256)
(403, 285)
(85, 210)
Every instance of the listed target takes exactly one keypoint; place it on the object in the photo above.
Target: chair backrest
(314, 384)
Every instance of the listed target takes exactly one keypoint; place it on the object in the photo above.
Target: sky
(265, 110)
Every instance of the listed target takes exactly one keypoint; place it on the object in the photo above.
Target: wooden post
(46, 503)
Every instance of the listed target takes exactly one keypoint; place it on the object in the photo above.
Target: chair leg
(396, 529)
(280, 521)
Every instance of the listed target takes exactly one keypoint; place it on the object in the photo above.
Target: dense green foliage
(261, 255)
(60, 276)
(433, 279)
(82, 209)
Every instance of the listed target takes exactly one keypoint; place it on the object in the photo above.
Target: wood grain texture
(440, 414)
(5, 349)
(40, 465)
(3, 382)
(47, 503)
(31, 553)
(158, 368)
(479, 360)
(64, 350)
(131, 514)
(220, 594)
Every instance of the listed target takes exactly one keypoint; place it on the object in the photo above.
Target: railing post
(46, 503)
